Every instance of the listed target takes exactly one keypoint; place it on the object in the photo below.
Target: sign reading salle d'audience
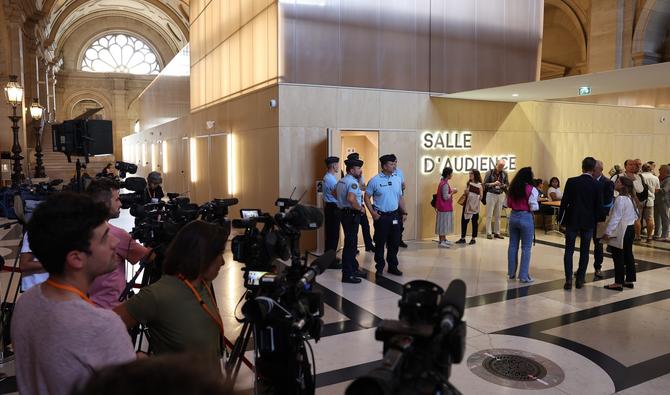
(457, 141)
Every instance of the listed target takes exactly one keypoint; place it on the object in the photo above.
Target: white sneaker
(448, 242)
(443, 244)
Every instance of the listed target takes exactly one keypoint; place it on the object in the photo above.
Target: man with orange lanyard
(60, 338)
(180, 310)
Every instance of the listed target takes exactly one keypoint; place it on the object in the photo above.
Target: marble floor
(604, 342)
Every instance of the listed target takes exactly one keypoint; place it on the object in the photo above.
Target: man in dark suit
(580, 207)
(606, 189)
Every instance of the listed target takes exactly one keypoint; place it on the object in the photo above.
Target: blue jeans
(521, 227)
(584, 242)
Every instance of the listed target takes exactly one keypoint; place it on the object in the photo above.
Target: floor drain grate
(514, 367)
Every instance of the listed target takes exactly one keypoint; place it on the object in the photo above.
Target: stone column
(611, 34)
(119, 114)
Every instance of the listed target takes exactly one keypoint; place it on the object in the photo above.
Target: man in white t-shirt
(632, 172)
(654, 185)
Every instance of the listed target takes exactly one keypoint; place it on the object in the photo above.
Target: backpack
(644, 195)
(433, 201)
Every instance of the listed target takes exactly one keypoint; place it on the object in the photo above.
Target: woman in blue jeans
(522, 199)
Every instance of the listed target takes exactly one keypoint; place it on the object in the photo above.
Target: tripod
(236, 356)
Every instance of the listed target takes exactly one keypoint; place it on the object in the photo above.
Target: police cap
(353, 162)
(332, 159)
(387, 158)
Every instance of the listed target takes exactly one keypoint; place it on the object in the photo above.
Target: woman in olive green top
(179, 309)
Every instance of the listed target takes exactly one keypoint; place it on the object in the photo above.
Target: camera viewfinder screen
(254, 278)
(249, 213)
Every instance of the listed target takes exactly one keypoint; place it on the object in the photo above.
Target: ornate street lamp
(38, 114)
(14, 95)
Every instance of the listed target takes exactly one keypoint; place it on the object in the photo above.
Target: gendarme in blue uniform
(348, 184)
(385, 191)
(329, 183)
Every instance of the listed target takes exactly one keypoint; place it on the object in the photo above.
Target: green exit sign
(584, 90)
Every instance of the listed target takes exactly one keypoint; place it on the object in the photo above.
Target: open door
(334, 142)
(334, 146)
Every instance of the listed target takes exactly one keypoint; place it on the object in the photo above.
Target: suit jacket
(581, 204)
(606, 188)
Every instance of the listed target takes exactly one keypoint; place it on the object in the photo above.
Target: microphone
(227, 202)
(318, 266)
(453, 305)
(303, 217)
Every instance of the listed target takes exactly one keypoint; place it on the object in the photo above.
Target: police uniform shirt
(400, 174)
(386, 191)
(329, 183)
(348, 184)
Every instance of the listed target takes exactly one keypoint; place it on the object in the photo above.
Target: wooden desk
(555, 206)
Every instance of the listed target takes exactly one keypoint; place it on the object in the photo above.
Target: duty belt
(387, 212)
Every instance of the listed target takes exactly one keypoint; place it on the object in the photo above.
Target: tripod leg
(237, 356)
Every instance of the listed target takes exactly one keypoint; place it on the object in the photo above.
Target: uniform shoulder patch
(354, 186)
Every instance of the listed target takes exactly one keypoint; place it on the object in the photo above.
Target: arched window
(120, 53)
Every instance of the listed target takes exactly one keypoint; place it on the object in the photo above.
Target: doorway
(366, 144)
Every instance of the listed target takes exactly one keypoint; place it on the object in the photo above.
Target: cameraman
(106, 289)
(180, 309)
(153, 193)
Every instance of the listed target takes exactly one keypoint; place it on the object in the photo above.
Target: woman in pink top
(522, 199)
(444, 223)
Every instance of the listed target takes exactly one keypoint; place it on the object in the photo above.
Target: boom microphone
(318, 266)
(453, 305)
(227, 202)
(303, 217)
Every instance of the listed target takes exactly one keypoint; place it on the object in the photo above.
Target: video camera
(420, 347)
(124, 168)
(257, 248)
(158, 223)
(281, 309)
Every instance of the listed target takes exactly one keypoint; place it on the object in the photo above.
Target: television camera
(156, 224)
(281, 307)
(420, 347)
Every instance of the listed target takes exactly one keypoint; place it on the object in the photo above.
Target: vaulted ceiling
(59, 18)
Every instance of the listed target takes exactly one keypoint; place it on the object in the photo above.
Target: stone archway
(564, 41)
(651, 31)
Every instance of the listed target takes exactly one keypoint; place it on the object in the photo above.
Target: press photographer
(420, 347)
(153, 193)
(281, 309)
(180, 310)
(106, 289)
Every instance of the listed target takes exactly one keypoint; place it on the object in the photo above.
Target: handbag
(462, 198)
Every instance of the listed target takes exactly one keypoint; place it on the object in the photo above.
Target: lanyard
(216, 318)
(70, 289)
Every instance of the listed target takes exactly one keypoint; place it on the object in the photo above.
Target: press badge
(395, 222)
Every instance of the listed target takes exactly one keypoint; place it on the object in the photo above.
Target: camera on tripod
(125, 167)
(281, 309)
(420, 347)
